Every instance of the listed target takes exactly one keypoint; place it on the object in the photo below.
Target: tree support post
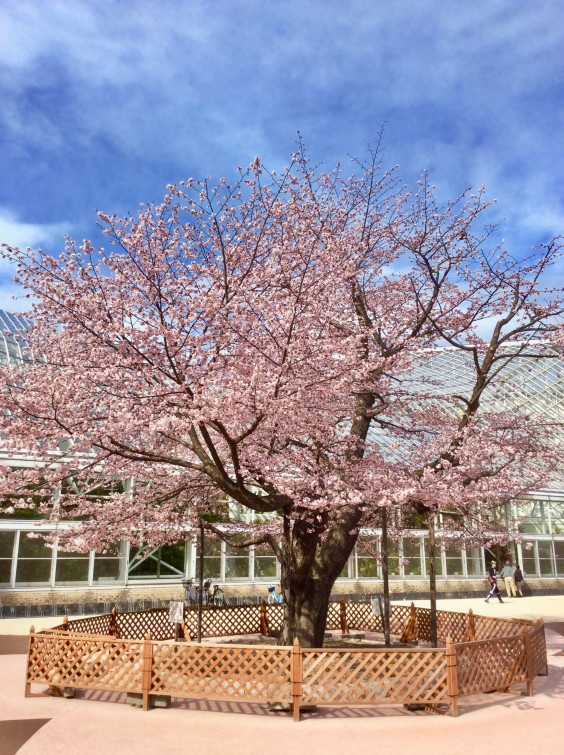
(201, 583)
(385, 579)
(433, 580)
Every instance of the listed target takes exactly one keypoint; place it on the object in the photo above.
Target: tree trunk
(311, 562)
(432, 579)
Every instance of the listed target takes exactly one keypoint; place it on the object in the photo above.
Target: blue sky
(104, 103)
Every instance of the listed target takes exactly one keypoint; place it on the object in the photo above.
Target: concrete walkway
(101, 723)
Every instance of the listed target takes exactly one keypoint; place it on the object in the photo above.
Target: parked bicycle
(216, 596)
(212, 595)
(273, 596)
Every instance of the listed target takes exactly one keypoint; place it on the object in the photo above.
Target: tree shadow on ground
(14, 734)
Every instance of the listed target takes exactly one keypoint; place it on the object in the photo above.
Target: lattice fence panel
(400, 615)
(135, 625)
(85, 662)
(423, 617)
(274, 616)
(221, 621)
(489, 627)
(360, 616)
(88, 624)
(333, 616)
(222, 671)
(382, 676)
(538, 649)
(490, 664)
(451, 624)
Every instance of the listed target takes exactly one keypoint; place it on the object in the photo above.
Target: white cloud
(12, 297)
(14, 232)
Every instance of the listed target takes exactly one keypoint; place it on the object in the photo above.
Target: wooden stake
(343, 617)
(452, 675)
(296, 673)
(147, 670)
(27, 684)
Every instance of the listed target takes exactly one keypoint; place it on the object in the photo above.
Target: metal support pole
(201, 583)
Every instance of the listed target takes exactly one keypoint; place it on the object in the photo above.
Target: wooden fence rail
(135, 653)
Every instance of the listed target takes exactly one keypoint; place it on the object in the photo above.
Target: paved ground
(100, 723)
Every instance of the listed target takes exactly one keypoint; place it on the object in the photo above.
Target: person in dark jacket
(518, 577)
(492, 577)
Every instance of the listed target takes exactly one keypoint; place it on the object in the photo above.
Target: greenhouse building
(35, 574)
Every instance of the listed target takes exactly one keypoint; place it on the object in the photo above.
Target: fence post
(529, 658)
(297, 681)
(470, 632)
(264, 628)
(147, 669)
(545, 671)
(113, 622)
(343, 617)
(27, 684)
(410, 632)
(66, 623)
(452, 675)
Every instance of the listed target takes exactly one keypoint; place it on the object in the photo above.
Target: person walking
(518, 577)
(507, 576)
(492, 578)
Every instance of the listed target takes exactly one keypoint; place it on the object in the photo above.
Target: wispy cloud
(105, 103)
(14, 232)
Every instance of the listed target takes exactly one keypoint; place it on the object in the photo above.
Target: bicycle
(273, 596)
(211, 595)
(218, 596)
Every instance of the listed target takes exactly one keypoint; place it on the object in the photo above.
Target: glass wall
(475, 562)
(454, 561)
(546, 566)
(366, 558)
(28, 562)
(237, 564)
(412, 558)
(559, 556)
(265, 564)
(34, 562)
(163, 562)
(212, 559)
(71, 568)
(7, 540)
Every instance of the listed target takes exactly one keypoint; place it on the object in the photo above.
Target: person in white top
(507, 576)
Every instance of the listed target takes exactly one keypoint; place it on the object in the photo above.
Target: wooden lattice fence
(134, 652)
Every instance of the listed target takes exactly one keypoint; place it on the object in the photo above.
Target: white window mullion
(91, 568)
(54, 563)
(15, 559)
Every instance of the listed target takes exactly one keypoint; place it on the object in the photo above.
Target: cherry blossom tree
(265, 341)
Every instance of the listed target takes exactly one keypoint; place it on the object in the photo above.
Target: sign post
(176, 615)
